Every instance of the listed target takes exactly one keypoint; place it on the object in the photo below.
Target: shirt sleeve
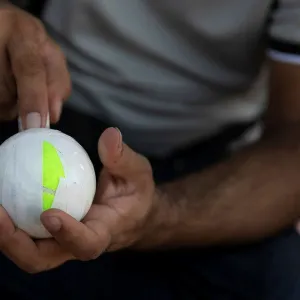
(284, 31)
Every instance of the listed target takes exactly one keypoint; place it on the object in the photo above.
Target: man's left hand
(125, 201)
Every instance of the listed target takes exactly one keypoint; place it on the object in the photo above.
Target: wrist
(160, 223)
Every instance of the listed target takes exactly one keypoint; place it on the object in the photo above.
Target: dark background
(33, 6)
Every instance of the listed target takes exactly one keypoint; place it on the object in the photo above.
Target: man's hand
(122, 212)
(34, 80)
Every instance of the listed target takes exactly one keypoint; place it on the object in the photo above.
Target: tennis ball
(43, 169)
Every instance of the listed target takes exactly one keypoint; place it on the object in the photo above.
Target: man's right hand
(34, 80)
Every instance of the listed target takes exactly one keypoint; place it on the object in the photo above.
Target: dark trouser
(269, 270)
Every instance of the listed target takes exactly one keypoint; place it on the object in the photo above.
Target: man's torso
(166, 72)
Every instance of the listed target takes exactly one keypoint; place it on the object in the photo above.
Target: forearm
(251, 196)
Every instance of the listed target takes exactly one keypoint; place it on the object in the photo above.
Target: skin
(34, 76)
(253, 195)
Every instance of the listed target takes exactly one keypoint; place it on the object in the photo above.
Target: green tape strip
(53, 171)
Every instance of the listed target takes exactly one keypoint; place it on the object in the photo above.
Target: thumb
(119, 159)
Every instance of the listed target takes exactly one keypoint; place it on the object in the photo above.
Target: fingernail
(120, 143)
(53, 224)
(33, 120)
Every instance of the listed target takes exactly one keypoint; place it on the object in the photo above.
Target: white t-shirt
(171, 72)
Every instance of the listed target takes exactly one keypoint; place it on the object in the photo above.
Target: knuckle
(51, 51)
(146, 164)
(91, 254)
(31, 265)
(26, 43)
(68, 90)
(32, 268)
(25, 26)
(7, 14)
(48, 50)
(30, 27)
(29, 65)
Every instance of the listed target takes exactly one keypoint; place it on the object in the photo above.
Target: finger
(52, 254)
(25, 53)
(85, 241)
(105, 186)
(20, 125)
(23, 251)
(118, 158)
(58, 79)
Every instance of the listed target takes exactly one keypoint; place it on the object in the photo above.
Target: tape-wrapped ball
(43, 169)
